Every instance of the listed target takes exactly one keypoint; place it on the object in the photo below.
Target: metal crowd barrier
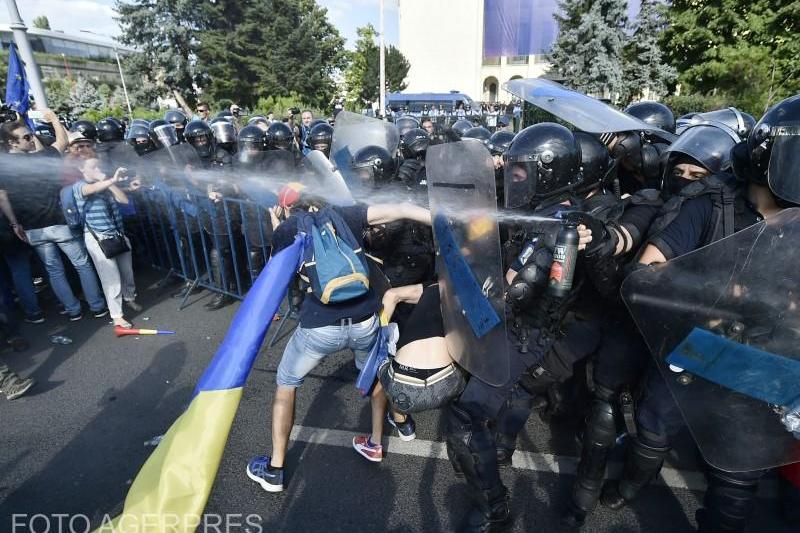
(181, 230)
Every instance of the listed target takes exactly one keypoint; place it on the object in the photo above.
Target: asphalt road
(75, 442)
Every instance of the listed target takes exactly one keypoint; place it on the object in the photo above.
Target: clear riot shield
(461, 190)
(583, 112)
(328, 183)
(352, 132)
(723, 324)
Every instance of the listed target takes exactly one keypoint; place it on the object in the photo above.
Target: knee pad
(601, 426)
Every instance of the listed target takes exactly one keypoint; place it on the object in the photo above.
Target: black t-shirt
(33, 186)
(687, 231)
(313, 313)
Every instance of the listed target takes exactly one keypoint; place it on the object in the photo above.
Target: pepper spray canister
(565, 256)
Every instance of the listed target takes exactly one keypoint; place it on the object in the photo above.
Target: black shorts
(425, 320)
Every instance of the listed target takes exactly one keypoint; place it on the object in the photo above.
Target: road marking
(534, 461)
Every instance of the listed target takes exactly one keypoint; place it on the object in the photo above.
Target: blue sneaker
(270, 479)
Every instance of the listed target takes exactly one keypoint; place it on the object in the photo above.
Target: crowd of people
(383, 248)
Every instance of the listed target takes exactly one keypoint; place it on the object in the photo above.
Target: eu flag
(17, 88)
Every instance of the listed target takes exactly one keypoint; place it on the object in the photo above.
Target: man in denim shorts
(324, 329)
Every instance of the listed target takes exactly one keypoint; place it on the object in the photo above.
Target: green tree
(362, 76)
(58, 97)
(41, 22)
(587, 54)
(83, 96)
(244, 55)
(645, 73)
(166, 34)
(746, 50)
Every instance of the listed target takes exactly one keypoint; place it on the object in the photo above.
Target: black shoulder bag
(111, 245)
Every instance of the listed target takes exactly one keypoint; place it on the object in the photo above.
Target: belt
(351, 321)
(416, 382)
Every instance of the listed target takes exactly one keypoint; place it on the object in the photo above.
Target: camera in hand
(295, 111)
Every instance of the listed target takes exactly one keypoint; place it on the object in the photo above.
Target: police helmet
(109, 130)
(259, 121)
(176, 117)
(224, 132)
(416, 142)
(460, 127)
(86, 128)
(653, 113)
(406, 123)
(373, 164)
(478, 132)
(500, 141)
(543, 161)
(774, 146)
(279, 136)
(321, 135)
(141, 138)
(199, 135)
(596, 162)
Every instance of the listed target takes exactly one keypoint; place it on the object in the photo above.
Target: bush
(138, 112)
(699, 103)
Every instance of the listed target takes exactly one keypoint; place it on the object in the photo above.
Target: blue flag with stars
(17, 88)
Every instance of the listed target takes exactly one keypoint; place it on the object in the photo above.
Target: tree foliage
(747, 50)
(645, 72)
(588, 52)
(41, 22)
(83, 96)
(244, 55)
(362, 77)
(165, 32)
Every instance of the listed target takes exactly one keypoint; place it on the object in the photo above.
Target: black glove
(409, 170)
(604, 242)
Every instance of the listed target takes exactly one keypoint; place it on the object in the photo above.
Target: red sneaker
(372, 452)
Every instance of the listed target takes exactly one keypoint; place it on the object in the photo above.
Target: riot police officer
(199, 135)
(653, 113)
(280, 137)
(542, 169)
(141, 139)
(706, 213)
(415, 144)
(86, 128)
(320, 138)
(177, 118)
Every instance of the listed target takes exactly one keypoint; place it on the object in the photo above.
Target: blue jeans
(47, 241)
(308, 347)
(18, 259)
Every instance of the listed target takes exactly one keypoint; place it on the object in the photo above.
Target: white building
(443, 42)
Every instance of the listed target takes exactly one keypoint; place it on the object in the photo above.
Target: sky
(71, 16)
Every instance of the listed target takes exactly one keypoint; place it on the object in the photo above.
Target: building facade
(60, 55)
(443, 42)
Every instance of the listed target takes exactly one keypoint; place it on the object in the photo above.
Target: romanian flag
(171, 490)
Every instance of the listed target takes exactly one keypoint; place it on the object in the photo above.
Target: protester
(324, 329)
(30, 179)
(97, 198)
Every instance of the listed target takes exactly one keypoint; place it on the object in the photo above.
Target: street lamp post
(24, 46)
(124, 88)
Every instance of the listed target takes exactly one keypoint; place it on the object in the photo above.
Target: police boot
(598, 439)
(642, 465)
(511, 422)
(218, 263)
(729, 501)
(470, 446)
(490, 512)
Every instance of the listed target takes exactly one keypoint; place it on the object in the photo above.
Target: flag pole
(382, 88)
(26, 53)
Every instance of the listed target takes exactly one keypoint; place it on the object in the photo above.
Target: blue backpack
(69, 206)
(334, 264)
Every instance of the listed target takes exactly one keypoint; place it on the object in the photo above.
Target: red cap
(290, 194)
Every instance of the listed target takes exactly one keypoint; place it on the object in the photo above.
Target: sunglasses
(202, 110)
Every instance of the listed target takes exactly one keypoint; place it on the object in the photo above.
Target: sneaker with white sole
(364, 446)
(18, 387)
(406, 430)
(270, 479)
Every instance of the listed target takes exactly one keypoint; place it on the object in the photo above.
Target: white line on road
(534, 461)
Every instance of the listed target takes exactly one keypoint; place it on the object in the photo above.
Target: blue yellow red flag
(172, 488)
